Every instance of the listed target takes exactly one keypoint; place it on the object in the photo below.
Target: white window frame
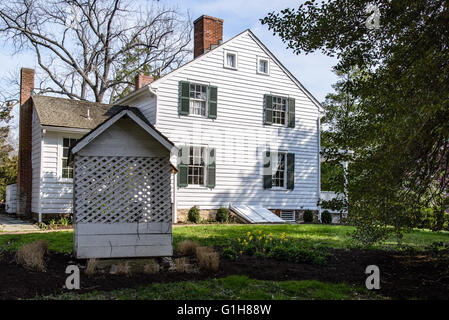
(285, 111)
(258, 65)
(206, 111)
(225, 59)
(60, 153)
(284, 187)
(199, 186)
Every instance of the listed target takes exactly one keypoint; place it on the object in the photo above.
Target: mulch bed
(403, 275)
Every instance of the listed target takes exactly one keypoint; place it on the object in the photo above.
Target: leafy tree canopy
(397, 121)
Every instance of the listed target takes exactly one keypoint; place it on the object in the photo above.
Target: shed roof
(61, 112)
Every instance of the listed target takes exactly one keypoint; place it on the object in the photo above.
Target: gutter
(136, 94)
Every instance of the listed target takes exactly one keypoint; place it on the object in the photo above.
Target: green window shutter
(267, 171)
(291, 112)
(268, 109)
(213, 97)
(184, 97)
(183, 168)
(211, 169)
(290, 171)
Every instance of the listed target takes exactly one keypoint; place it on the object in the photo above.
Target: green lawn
(220, 235)
(232, 288)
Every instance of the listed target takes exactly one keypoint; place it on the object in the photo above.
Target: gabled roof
(61, 112)
(120, 112)
(155, 84)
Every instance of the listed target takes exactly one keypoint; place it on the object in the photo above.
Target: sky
(314, 70)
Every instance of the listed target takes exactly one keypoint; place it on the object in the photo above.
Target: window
(279, 110)
(198, 99)
(230, 59)
(196, 166)
(263, 65)
(67, 170)
(279, 172)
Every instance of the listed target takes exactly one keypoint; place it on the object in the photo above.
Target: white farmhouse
(247, 131)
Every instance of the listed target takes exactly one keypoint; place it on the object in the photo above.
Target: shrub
(207, 258)
(182, 264)
(223, 215)
(187, 247)
(124, 268)
(151, 267)
(194, 215)
(326, 217)
(308, 216)
(31, 255)
(91, 266)
(229, 253)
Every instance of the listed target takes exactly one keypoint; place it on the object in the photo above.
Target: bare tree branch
(91, 49)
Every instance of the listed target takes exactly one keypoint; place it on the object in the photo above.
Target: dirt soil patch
(403, 275)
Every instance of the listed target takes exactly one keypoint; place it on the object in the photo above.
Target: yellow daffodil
(260, 231)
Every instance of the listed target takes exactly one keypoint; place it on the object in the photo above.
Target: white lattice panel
(122, 189)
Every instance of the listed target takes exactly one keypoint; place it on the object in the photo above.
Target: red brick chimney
(142, 80)
(24, 177)
(207, 31)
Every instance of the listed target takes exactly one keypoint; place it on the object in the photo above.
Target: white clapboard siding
(11, 198)
(238, 134)
(56, 193)
(36, 155)
(100, 240)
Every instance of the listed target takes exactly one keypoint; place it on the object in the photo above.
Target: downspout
(319, 167)
(44, 131)
(175, 202)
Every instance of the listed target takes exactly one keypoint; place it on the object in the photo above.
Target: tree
(92, 49)
(400, 130)
(8, 162)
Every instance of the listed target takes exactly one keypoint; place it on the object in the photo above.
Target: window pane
(279, 171)
(196, 166)
(230, 60)
(65, 142)
(263, 66)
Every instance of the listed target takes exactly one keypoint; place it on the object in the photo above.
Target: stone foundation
(205, 214)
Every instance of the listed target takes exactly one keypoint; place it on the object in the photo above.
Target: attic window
(230, 59)
(263, 65)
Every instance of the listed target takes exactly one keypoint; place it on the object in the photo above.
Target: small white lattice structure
(122, 191)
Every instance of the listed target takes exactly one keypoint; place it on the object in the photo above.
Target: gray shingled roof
(70, 113)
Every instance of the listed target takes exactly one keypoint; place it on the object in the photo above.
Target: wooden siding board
(55, 192)
(238, 133)
(36, 141)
